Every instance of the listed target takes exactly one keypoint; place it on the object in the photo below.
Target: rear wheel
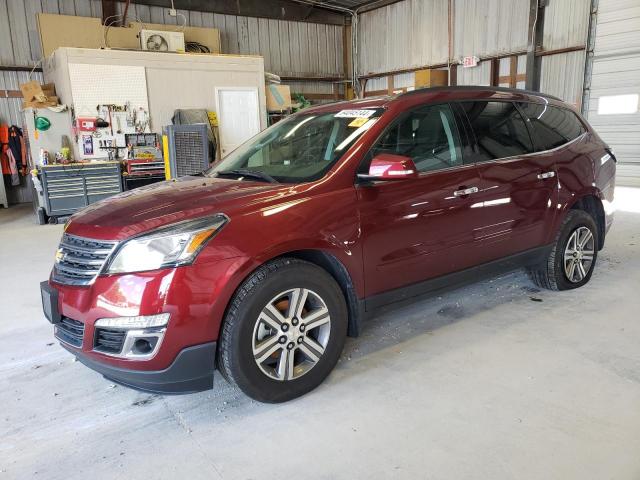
(573, 256)
(284, 331)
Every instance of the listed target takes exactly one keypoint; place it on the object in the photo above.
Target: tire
(552, 274)
(248, 354)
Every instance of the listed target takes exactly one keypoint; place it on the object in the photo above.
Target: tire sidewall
(577, 219)
(246, 372)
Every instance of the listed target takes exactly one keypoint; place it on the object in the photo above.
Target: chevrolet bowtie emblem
(59, 255)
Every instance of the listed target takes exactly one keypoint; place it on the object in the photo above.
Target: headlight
(177, 244)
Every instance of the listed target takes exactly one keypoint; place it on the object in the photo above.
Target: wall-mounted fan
(157, 43)
(161, 41)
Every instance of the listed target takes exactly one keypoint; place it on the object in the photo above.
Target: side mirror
(388, 166)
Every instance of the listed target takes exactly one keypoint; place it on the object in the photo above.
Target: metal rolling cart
(67, 188)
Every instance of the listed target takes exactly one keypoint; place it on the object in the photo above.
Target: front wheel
(284, 331)
(573, 256)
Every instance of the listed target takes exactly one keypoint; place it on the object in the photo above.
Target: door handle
(542, 176)
(465, 191)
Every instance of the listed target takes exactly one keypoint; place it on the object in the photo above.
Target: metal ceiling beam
(276, 9)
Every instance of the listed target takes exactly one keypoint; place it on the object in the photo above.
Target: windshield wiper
(242, 172)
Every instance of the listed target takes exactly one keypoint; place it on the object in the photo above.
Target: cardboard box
(36, 95)
(278, 98)
(431, 78)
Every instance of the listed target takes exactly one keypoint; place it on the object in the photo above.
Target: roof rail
(478, 88)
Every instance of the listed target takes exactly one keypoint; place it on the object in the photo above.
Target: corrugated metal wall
(402, 35)
(483, 28)
(566, 25)
(289, 48)
(616, 71)
(490, 27)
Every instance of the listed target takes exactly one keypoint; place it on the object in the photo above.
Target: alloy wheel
(578, 254)
(291, 334)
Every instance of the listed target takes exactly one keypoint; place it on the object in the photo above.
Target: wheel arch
(592, 204)
(334, 267)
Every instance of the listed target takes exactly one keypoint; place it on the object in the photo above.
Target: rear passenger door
(515, 203)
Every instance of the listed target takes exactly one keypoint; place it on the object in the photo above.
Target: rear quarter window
(552, 126)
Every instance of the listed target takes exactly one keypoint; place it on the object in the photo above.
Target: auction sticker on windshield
(358, 122)
(355, 113)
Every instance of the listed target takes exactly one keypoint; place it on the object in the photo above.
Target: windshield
(301, 148)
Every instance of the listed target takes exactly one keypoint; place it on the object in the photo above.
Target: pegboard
(93, 85)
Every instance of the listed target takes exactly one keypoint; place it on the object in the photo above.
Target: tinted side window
(428, 135)
(552, 126)
(499, 128)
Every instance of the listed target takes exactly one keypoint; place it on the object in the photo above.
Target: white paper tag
(355, 113)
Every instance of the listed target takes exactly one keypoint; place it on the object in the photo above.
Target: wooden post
(513, 71)
(453, 75)
(494, 72)
(390, 85)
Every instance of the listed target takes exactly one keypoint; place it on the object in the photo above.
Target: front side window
(428, 135)
(300, 149)
(499, 128)
(552, 126)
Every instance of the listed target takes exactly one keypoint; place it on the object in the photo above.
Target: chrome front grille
(80, 260)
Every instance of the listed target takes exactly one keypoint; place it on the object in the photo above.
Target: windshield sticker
(358, 122)
(355, 113)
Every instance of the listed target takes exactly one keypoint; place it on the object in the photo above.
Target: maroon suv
(262, 265)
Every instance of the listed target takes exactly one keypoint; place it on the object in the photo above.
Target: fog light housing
(136, 338)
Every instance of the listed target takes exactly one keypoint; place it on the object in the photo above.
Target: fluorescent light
(618, 104)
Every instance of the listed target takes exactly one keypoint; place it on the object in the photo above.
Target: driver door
(419, 228)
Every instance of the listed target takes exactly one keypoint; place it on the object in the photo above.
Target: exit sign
(470, 61)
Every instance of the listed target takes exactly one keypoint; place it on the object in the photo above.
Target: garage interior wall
(486, 29)
(295, 49)
(616, 71)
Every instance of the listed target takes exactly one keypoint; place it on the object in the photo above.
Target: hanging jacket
(13, 168)
(4, 146)
(15, 145)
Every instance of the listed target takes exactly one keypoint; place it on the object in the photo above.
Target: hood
(146, 208)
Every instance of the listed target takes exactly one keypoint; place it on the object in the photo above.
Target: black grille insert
(70, 331)
(108, 340)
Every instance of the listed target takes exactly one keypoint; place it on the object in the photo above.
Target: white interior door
(238, 116)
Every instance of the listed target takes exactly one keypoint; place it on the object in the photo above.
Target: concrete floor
(497, 380)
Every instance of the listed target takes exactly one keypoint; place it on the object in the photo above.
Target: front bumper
(195, 297)
(191, 371)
